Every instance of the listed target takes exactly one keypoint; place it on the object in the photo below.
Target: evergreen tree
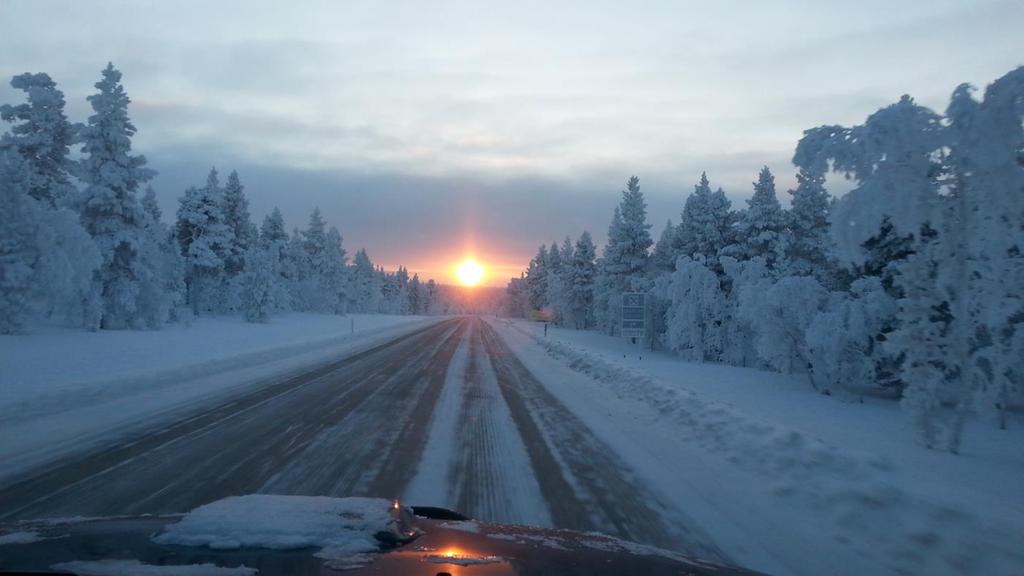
(162, 252)
(553, 283)
(257, 296)
(366, 291)
(334, 282)
(517, 297)
(582, 275)
(273, 230)
(42, 136)
(273, 238)
(696, 312)
(150, 206)
(46, 258)
(433, 295)
(705, 224)
(663, 257)
(415, 295)
(238, 220)
(985, 255)
(537, 280)
(807, 222)
(109, 209)
(320, 281)
(626, 256)
(205, 241)
(760, 231)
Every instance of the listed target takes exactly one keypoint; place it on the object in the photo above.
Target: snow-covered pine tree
(296, 269)
(705, 224)
(47, 260)
(236, 216)
(626, 256)
(273, 238)
(42, 136)
(807, 252)
(416, 300)
(843, 338)
(273, 230)
(257, 285)
(583, 273)
(553, 283)
(516, 297)
(780, 319)
(433, 298)
(366, 291)
(335, 282)
(109, 209)
(537, 280)
(745, 285)
(205, 241)
(663, 258)
(985, 251)
(761, 228)
(696, 311)
(897, 159)
(18, 243)
(162, 251)
(313, 260)
(562, 291)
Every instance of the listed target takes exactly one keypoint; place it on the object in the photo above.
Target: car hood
(433, 546)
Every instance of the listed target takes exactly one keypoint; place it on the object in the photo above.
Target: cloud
(419, 128)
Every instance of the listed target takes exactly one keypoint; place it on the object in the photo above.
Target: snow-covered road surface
(447, 413)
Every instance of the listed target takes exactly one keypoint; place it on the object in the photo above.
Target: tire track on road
(586, 485)
(498, 481)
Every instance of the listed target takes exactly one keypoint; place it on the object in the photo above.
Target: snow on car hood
(339, 526)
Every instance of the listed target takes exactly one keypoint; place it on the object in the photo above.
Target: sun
(469, 272)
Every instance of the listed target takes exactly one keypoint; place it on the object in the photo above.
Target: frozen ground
(783, 479)
(67, 390)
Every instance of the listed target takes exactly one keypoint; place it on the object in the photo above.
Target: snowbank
(783, 479)
(67, 390)
(339, 526)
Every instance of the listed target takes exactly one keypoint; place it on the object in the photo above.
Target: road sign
(634, 314)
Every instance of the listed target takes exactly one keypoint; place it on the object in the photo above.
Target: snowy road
(446, 415)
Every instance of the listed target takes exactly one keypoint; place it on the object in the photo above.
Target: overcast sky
(426, 130)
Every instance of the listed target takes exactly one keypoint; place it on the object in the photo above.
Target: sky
(429, 131)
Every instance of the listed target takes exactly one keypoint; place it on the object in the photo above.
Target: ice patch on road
(136, 568)
(338, 526)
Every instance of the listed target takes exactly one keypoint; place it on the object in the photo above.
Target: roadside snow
(785, 480)
(339, 526)
(136, 568)
(63, 391)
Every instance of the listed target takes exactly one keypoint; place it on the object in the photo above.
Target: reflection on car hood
(303, 535)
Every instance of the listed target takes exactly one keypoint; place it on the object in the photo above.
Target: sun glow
(469, 272)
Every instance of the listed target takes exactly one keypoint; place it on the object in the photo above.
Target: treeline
(909, 285)
(78, 243)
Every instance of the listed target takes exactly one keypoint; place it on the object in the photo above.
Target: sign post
(634, 317)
